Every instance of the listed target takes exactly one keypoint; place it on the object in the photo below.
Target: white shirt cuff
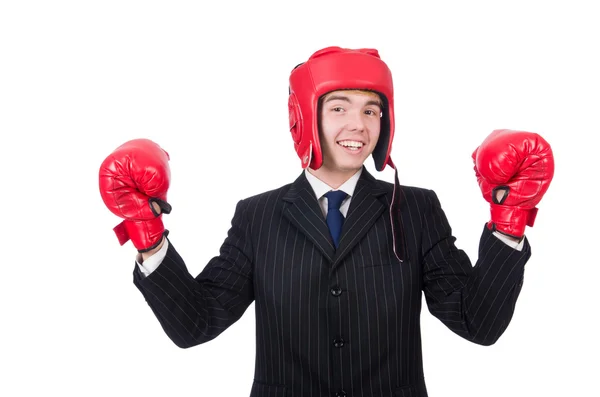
(152, 262)
(516, 245)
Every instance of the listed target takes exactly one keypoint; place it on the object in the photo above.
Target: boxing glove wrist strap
(144, 234)
(511, 220)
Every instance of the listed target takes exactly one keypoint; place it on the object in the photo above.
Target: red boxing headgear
(331, 69)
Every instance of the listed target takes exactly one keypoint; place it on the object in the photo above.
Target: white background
(208, 82)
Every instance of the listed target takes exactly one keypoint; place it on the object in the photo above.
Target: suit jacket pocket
(408, 391)
(379, 264)
(416, 389)
(261, 389)
(376, 264)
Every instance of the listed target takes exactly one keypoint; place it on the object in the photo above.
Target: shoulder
(408, 192)
(249, 208)
(268, 197)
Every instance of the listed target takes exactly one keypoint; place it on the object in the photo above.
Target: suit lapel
(303, 211)
(365, 208)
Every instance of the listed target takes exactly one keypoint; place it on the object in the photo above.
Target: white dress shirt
(320, 188)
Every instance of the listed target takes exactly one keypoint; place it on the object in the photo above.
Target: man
(336, 261)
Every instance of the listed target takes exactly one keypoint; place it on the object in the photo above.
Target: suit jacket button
(341, 393)
(336, 291)
(338, 343)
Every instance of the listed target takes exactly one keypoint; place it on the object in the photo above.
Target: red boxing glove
(132, 177)
(514, 170)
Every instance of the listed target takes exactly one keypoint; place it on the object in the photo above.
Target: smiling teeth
(351, 144)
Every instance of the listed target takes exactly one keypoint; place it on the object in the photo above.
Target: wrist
(147, 254)
(505, 237)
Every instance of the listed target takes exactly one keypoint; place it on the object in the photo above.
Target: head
(342, 94)
(349, 127)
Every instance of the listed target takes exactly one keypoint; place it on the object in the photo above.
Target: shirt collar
(320, 187)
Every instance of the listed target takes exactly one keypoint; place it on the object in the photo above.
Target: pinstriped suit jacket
(339, 322)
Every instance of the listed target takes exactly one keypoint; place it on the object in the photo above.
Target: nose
(355, 122)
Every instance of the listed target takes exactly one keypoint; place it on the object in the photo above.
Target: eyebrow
(345, 98)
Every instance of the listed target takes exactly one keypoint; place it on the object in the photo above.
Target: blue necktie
(335, 219)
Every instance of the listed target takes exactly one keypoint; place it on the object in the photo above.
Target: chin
(350, 166)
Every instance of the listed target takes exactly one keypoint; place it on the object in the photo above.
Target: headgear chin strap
(395, 218)
(331, 69)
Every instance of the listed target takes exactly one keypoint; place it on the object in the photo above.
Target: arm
(477, 302)
(147, 263)
(511, 241)
(196, 310)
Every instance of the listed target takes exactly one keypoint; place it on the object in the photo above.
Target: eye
(371, 112)
(337, 109)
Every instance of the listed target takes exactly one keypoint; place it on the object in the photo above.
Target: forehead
(363, 94)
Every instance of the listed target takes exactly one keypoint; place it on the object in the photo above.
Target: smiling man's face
(350, 124)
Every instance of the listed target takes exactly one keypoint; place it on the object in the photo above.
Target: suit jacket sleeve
(196, 310)
(476, 302)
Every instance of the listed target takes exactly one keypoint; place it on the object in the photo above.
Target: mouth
(351, 146)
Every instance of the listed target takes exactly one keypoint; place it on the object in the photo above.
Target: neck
(334, 178)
